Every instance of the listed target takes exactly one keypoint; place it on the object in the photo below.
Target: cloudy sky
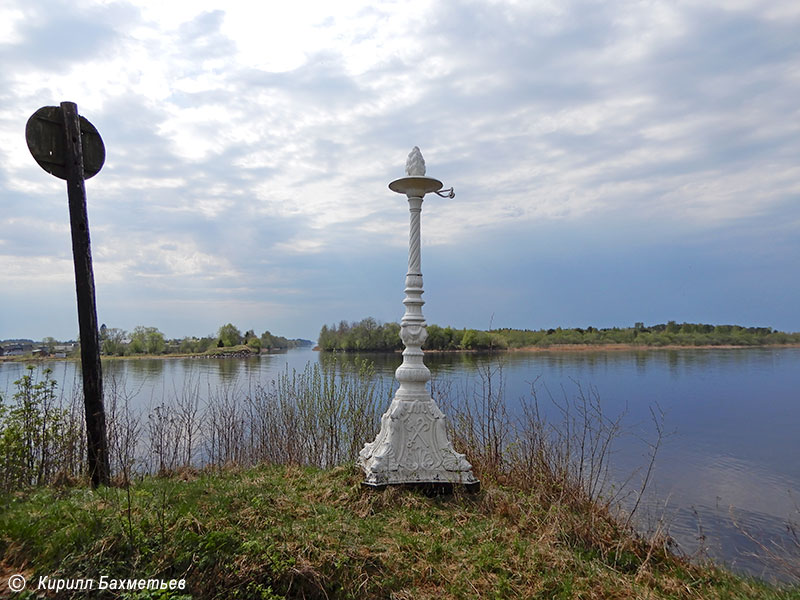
(613, 162)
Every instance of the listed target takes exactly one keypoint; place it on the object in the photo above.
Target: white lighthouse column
(412, 446)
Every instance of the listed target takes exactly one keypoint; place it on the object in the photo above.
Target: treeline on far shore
(369, 335)
(149, 341)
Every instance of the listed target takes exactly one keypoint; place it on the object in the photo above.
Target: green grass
(275, 532)
(229, 350)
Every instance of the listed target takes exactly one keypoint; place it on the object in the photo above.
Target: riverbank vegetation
(368, 335)
(255, 495)
(149, 341)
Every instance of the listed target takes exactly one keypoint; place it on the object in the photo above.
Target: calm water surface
(729, 464)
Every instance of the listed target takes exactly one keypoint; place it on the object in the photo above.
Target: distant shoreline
(577, 348)
(565, 348)
(236, 354)
(622, 347)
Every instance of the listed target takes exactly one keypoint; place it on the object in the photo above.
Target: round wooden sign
(46, 139)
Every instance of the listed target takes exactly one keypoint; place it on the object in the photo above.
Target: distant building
(64, 349)
(18, 349)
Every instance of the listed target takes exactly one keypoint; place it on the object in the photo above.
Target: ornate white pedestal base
(412, 447)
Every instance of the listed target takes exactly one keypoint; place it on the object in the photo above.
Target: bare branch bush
(189, 419)
(224, 424)
(478, 417)
(321, 416)
(123, 427)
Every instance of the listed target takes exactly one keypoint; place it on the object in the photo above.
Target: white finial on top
(415, 165)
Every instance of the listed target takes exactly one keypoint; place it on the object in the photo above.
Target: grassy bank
(275, 531)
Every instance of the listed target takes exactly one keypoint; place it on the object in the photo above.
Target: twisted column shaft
(413, 374)
(415, 208)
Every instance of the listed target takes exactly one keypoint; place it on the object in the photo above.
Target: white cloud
(29, 271)
(299, 246)
(10, 18)
(133, 258)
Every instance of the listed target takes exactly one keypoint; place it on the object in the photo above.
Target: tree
(470, 339)
(267, 340)
(188, 345)
(50, 342)
(147, 340)
(229, 335)
(391, 337)
(437, 338)
(113, 341)
(326, 339)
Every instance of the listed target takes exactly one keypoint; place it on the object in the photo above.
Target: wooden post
(97, 445)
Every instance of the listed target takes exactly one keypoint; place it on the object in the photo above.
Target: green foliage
(113, 341)
(672, 333)
(221, 351)
(36, 436)
(147, 340)
(276, 342)
(473, 339)
(229, 335)
(252, 341)
(443, 338)
(365, 336)
(193, 345)
(369, 336)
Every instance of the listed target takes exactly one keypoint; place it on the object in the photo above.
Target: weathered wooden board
(46, 139)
